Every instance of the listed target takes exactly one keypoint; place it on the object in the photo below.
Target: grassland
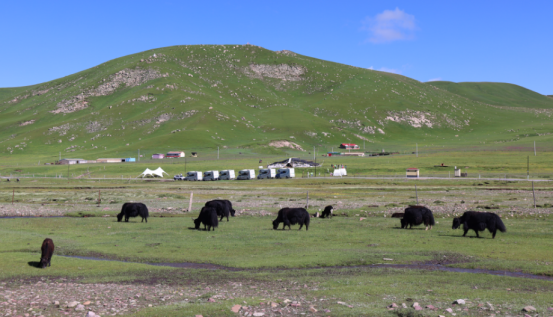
(275, 266)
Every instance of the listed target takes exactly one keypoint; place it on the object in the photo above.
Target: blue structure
(130, 159)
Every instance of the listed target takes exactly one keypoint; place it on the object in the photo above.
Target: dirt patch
(287, 144)
(27, 123)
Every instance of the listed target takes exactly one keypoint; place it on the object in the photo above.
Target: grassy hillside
(242, 98)
(499, 94)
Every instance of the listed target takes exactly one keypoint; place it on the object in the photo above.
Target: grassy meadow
(327, 268)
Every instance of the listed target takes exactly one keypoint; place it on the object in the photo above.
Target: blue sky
(498, 41)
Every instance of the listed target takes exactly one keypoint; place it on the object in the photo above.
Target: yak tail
(431, 218)
(499, 224)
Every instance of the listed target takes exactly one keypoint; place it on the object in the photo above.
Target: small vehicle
(178, 177)
(246, 174)
(226, 175)
(211, 176)
(193, 176)
(266, 173)
(286, 173)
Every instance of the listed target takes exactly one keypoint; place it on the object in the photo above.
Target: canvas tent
(155, 173)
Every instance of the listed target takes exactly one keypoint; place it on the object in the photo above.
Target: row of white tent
(243, 174)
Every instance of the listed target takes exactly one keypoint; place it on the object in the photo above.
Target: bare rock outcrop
(285, 143)
(282, 71)
(128, 77)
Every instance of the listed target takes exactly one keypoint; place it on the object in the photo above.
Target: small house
(349, 146)
(70, 161)
(158, 156)
(174, 154)
(412, 172)
(110, 160)
(361, 154)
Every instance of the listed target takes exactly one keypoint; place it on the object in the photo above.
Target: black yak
(223, 208)
(133, 210)
(292, 216)
(208, 216)
(398, 215)
(479, 221)
(47, 251)
(328, 212)
(415, 215)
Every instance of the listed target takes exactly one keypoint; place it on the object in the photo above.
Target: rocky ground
(71, 298)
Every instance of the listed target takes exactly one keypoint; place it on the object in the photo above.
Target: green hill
(500, 94)
(247, 98)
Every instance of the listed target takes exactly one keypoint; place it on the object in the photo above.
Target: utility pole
(534, 148)
(528, 167)
(217, 152)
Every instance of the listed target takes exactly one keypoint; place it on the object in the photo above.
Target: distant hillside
(500, 94)
(245, 97)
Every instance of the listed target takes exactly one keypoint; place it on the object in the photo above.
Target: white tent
(157, 172)
(340, 172)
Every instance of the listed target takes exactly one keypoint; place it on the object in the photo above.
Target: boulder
(529, 309)
(72, 304)
(236, 308)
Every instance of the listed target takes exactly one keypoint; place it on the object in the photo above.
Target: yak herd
(216, 210)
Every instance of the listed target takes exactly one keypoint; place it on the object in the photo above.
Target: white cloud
(371, 68)
(389, 70)
(389, 26)
(436, 79)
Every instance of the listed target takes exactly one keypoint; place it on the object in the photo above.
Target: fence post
(190, 203)
(534, 194)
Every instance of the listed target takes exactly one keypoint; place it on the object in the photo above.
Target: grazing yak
(208, 216)
(223, 208)
(292, 216)
(133, 210)
(47, 251)
(415, 215)
(479, 221)
(328, 212)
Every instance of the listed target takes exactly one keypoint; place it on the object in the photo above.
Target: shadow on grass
(456, 236)
(34, 264)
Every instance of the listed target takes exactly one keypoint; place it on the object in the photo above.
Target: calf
(47, 252)
(292, 216)
(133, 210)
(328, 212)
(208, 216)
(415, 215)
(479, 221)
